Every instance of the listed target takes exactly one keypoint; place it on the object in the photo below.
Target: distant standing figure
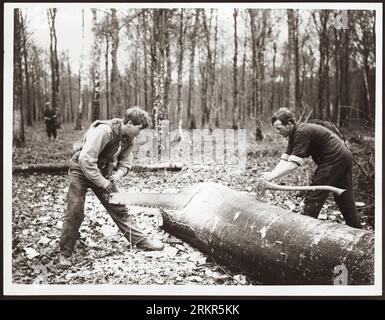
(50, 121)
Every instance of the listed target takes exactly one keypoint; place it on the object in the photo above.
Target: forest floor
(103, 256)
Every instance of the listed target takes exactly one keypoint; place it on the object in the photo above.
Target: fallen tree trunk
(53, 168)
(272, 245)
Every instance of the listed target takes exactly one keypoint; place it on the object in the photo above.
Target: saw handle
(273, 186)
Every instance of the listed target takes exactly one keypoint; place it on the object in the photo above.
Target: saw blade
(172, 201)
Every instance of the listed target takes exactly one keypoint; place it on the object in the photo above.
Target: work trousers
(75, 212)
(51, 129)
(337, 174)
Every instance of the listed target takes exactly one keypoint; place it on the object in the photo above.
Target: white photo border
(183, 290)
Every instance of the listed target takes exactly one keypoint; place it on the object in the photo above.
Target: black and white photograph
(192, 149)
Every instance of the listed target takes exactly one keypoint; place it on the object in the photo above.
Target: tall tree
(114, 89)
(244, 104)
(28, 106)
(321, 18)
(71, 106)
(18, 118)
(235, 74)
(293, 65)
(208, 70)
(95, 68)
(167, 43)
(145, 59)
(259, 32)
(344, 56)
(160, 111)
(273, 77)
(190, 101)
(181, 47)
(364, 38)
(80, 110)
(53, 59)
(107, 36)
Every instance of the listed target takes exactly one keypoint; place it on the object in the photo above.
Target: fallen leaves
(31, 253)
(102, 254)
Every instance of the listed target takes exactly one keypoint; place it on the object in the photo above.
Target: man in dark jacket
(328, 151)
(104, 143)
(50, 118)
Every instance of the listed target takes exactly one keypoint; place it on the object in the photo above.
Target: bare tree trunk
(273, 77)
(255, 82)
(291, 65)
(160, 111)
(107, 75)
(45, 79)
(28, 106)
(259, 29)
(337, 53)
(235, 75)
(344, 87)
(365, 72)
(298, 100)
(209, 72)
(190, 102)
(114, 91)
(79, 116)
(243, 86)
(167, 43)
(137, 71)
(63, 99)
(54, 60)
(18, 119)
(182, 35)
(70, 90)
(145, 71)
(323, 73)
(214, 110)
(95, 69)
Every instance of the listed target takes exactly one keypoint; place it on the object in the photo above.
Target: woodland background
(197, 68)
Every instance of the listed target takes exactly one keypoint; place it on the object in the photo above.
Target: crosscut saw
(178, 201)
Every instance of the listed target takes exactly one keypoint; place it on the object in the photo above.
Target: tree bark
(158, 65)
(167, 43)
(235, 75)
(79, 116)
(145, 58)
(181, 39)
(28, 106)
(273, 77)
(114, 88)
(244, 105)
(291, 17)
(107, 75)
(53, 60)
(209, 72)
(190, 101)
(95, 69)
(18, 118)
(272, 245)
(70, 90)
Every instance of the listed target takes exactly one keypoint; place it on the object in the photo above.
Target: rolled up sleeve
(96, 140)
(297, 160)
(285, 156)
